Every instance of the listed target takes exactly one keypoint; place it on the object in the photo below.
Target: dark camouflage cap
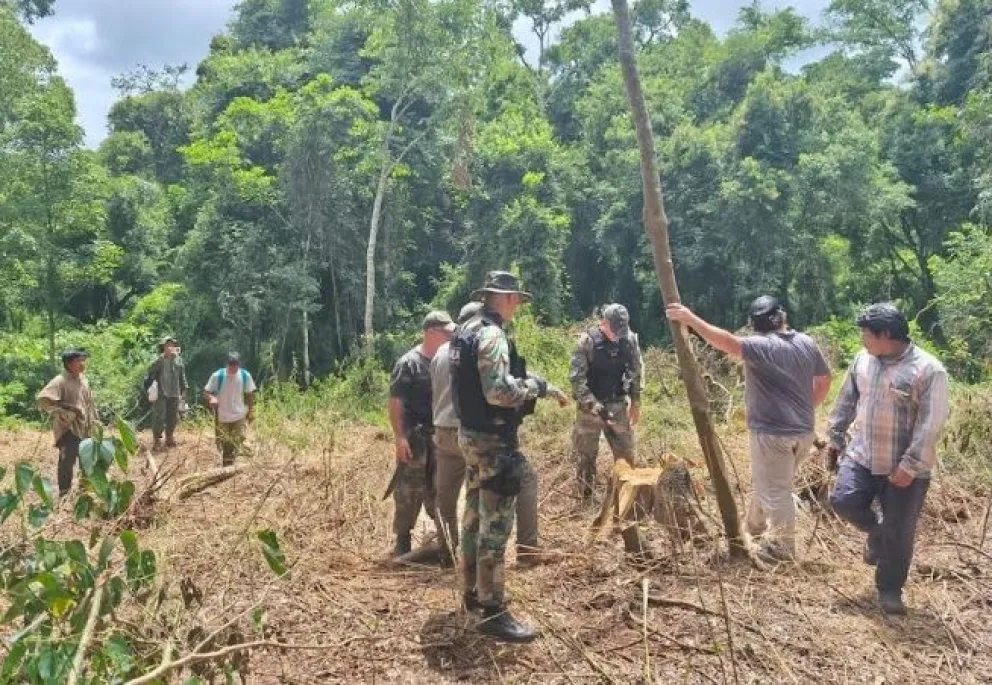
(619, 319)
(468, 311)
(501, 283)
(439, 319)
(74, 354)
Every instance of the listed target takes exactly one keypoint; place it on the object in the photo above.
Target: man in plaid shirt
(895, 394)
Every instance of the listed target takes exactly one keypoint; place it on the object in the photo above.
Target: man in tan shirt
(68, 400)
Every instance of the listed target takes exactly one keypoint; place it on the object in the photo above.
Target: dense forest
(337, 167)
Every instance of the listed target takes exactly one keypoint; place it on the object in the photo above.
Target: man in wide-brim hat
(492, 392)
(502, 283)
(169, 372)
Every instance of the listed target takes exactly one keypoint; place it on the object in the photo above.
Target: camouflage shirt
(578, 372)
(499, 387)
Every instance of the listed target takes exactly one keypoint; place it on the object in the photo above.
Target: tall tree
(656, 226)
(425, 53)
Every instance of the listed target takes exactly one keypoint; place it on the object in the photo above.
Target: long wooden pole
(656, 226)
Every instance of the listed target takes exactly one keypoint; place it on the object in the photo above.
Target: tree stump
(666, 494)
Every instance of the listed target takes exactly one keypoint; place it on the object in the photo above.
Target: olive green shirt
(171, 376)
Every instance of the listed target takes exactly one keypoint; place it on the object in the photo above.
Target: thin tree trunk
(380, 193)
(306, 350)
(337, 312)
(656, 226)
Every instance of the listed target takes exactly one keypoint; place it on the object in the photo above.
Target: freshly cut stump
(666, 494)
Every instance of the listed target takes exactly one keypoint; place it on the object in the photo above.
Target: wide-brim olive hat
(501, 283)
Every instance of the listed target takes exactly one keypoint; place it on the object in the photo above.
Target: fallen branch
(198, 482)
(712, 651)
(87, 636)
(196, 657)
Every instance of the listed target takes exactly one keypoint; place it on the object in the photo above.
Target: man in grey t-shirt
(786, 378)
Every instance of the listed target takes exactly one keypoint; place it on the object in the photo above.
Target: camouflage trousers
(230, 440)
(585, 442)
(450, 476)
(165, 416)
(488, 516)
(414, 483)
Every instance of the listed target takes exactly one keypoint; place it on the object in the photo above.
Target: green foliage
(52, 584)
(964, 287)
(237, 213)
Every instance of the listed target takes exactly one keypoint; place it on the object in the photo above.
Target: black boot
(470, 600)
(402, 544)
(498, 623)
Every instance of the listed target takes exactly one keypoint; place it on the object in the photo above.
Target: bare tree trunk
(380, 193)
(306, 350)
(337, 311)
(656, 226)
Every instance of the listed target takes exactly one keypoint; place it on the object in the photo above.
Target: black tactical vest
(474, 412)
(611, 363)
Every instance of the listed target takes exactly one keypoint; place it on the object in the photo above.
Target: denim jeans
(895, 531)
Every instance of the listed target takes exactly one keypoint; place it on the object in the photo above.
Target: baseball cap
(619, 319)
(233, 358)
(468, 311)
(765, 305)
(439, 319)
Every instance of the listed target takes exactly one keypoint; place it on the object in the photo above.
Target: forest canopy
(237, 213)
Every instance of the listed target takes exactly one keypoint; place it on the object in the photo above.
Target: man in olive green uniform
(170, 374)
(68, 400)
(606, 371)
(492, 392)
(409, 407)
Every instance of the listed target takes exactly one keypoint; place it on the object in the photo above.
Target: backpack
(222, 375)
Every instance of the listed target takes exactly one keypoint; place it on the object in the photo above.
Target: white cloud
(95, 40)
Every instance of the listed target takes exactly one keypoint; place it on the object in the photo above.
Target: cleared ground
(352, 617)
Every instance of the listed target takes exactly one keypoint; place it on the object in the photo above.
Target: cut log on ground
(190, 485)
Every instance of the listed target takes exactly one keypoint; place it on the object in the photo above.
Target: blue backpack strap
(244, 380)
(221, 375)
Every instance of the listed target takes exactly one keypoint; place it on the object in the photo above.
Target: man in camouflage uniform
(412, 485)
(170, 374)
(606, 372)
(450, 472)
(492, 392)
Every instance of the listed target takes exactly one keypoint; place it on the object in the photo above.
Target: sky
(95, 40)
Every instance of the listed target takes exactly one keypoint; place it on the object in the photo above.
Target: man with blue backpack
(230, 395)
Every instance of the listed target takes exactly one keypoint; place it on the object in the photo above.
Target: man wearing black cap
(412, 485)
(786, 378)
(169, 375)
(492, 392)
(68, 400)
(230, 395)
(606, 374)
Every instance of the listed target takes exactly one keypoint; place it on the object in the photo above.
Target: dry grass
(811, 622)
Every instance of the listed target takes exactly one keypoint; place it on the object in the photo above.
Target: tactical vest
(610, 366)
(473, 411)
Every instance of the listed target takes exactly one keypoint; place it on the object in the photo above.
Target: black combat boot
(402, 544)
(498, 623)
(470, 600)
